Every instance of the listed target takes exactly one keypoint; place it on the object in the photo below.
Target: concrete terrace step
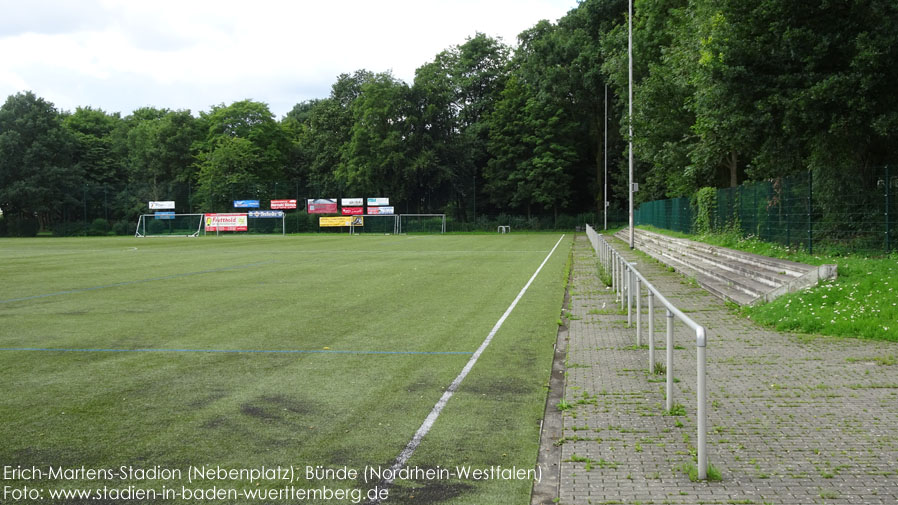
(763, 263)
(769, 275)
(728, 273)
(720, 287)
(741, 277)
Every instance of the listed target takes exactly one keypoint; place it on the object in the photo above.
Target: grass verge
(861, 302)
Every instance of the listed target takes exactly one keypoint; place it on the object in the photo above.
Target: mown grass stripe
(128, 283)
(240, 351)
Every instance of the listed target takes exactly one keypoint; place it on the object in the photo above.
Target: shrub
(98, 227)
(704, 203)
(123, 228)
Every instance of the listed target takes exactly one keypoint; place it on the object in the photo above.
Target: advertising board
(322, 206)
(256, 214)
(225, 222)
(332, 221)
(283, 204)
(352, 202)
(246, 204)
(374, 211)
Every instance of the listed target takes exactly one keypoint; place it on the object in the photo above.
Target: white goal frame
(442, 216)
(141, 230)
(352, 228)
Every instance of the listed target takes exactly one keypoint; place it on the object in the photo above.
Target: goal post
(378, 224)
(422, 223)
(169, 224)
(266, 222)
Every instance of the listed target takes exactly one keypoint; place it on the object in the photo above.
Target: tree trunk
(732, 164)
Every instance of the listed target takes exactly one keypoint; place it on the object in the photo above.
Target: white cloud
(120, 55)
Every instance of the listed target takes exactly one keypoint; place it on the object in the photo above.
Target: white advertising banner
(165, 205)
(226, 222)
(352, 202)
(378, 201)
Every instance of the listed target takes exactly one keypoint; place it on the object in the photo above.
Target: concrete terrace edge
(812, 274)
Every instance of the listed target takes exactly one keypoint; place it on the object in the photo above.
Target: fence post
(620, 281)
(788, 218)
(84, 201)
(701, 414)
(614, 284)
(651, 332)
(629, 296)
(810, 211)
(757, 213)
(888, 224)
(638, 301)
(669, 382)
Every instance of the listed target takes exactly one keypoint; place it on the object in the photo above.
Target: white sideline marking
(413, 444)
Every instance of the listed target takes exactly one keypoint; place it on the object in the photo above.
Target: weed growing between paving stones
(591, 463)
(888, 360)
(676, 409)
(603, 274)
(691, 470)
(608, 311)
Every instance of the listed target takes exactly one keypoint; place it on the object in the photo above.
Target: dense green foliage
(704, 201)
(725, 91)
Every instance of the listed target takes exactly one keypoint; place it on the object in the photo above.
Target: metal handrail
(625, 280)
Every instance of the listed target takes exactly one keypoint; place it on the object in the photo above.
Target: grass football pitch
(150, 370)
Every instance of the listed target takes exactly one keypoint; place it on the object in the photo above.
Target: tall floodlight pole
(630, 117)
(605, 179)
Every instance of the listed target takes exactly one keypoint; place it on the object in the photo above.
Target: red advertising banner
(353, 211)
(225, 222)
(322, 206)
(283, 204)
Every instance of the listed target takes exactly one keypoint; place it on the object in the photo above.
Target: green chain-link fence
(847, 210)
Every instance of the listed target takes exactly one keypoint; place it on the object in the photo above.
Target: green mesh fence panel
(672, 214)
(844, 209)
(422, 223)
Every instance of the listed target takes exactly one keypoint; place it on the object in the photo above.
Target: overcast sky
(119, 55)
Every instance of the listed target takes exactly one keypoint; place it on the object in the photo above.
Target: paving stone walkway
(792, 419)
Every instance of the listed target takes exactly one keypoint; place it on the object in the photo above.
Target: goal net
(169, 225)
(379, 224)
(422, 223)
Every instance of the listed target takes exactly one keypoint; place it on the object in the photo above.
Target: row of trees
(726, 91)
